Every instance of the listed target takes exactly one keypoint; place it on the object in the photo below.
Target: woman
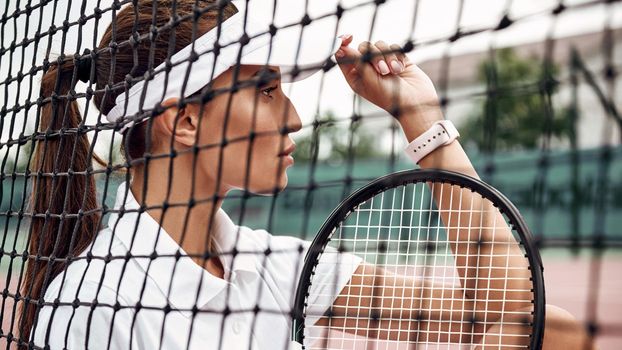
(171, 270)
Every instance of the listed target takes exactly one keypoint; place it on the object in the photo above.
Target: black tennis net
(533, 89)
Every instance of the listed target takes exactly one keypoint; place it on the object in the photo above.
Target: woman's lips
(286, 154)
(288, 160)
(287, 151)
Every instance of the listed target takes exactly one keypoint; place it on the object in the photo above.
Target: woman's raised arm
(487, 285)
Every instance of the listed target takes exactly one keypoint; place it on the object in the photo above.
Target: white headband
(195, 75)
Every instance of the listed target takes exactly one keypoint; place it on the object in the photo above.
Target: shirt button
(236, 327)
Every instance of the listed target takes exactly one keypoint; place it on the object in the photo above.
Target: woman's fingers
(350, 62)
(382, 58)
(377, 59)
(376, 78)
(402, 57)
(346, 39)
(390, 57)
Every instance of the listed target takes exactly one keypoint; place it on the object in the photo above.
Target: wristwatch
(441, 133)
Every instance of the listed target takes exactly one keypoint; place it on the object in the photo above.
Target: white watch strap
(441, 133)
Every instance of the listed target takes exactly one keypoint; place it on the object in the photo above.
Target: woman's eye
(267, 91)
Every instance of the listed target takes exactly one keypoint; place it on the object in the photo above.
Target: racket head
(418, 177)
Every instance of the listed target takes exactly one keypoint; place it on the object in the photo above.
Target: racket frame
(405, 177)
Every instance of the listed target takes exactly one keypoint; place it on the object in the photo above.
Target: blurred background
(532, 85)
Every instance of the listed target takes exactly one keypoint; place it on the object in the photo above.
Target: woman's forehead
(249, 70)
(255, 69)
(246, 71)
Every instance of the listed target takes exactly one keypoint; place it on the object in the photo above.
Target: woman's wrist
(449, 157)
(416, 123)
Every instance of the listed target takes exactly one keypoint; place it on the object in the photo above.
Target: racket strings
(442, 269)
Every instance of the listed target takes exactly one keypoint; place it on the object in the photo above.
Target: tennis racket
(441, 260)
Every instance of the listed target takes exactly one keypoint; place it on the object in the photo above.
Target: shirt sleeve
(332, 273)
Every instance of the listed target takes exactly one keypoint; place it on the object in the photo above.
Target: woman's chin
(268, 190)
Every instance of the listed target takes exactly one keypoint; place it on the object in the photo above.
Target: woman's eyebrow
(267, 74)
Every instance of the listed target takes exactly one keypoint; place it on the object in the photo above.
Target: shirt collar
(238, 253)
(155, 251)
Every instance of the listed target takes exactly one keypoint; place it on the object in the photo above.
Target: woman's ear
(185, 118)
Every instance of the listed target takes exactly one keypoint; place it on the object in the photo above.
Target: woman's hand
(390, 80)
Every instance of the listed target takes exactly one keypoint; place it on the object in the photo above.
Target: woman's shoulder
(263, 239)
(94, 273)
(228, 234)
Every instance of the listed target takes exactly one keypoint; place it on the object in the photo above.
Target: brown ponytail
(66, 215)
(63, 197)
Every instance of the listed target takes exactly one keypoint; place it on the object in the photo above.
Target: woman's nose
(293, 120)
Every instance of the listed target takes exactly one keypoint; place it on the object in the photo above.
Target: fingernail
(345, 36)
(384, 69)
(340, 53)
(397, 67)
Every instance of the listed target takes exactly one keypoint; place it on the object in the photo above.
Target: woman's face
(258, 165)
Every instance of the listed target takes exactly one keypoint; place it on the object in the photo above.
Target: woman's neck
(190, 227)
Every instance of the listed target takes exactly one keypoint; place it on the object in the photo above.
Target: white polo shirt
(147, 302)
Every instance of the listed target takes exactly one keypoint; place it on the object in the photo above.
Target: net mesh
(531, 86)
